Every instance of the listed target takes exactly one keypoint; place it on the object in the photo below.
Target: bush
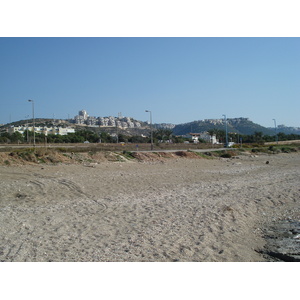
(236, 146)
(288, 149)
(257, 150)
(226, 155)
(272, 148)
(208, 153)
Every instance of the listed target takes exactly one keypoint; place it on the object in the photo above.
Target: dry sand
(169, 210)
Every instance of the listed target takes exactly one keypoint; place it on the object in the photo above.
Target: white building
(83, 114)
(204, 136)
(44, 130)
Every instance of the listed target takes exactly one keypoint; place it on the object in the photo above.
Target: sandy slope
(177, 210)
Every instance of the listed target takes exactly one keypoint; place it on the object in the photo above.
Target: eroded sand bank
(176, 210)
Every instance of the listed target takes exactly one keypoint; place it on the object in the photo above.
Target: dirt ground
(168, 209)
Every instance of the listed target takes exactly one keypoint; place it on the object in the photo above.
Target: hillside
(288, 130)
(235, 125)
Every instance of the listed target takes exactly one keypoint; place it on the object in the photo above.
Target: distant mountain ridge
(234, 125)
(288, 130)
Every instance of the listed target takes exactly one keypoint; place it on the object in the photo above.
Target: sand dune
(172, 210)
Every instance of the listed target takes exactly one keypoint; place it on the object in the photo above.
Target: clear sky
(179, 79)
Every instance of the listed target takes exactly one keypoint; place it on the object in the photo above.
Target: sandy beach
(183, 209)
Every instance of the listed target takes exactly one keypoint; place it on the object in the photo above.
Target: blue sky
(178, 79)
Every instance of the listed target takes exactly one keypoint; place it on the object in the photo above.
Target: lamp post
(116, 122)
(226, 145)
(27, 117)
(276, 136)
(149, 111)
(33, 121)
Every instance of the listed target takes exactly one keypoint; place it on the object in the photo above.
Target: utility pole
(27, 126)
(149, 111)
(33, 121)
(117, 128)
(276, 135)
(226, 145)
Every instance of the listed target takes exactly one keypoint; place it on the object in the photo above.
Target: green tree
(16, 137)
(137, 139)
(258, 137)
(122, 138)
(162, 134)
(106, 137)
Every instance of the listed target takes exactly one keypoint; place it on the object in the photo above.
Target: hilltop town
(64, 127)
(122, 122)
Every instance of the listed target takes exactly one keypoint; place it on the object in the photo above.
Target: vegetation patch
(226, 155)
(95, 154)
(128, 154)
(275, 149)
(61, 149)
(181, 153)
(205, 155)
(287, 149)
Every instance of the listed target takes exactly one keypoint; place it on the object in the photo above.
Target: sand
(187, 210)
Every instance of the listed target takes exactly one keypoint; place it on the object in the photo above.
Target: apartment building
(44, 130)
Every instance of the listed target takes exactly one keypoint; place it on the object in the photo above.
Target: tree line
(159, 135)
(81, 136)
(257, 137)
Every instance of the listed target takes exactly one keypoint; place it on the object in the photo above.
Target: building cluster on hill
(122, 122)
(164, 126)
(221, 121)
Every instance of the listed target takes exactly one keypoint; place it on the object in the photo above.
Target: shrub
(236, 146)
(181, 153)
(226, 155)
(288, 149)
(257, 150)
(206, 155)
(272, 148)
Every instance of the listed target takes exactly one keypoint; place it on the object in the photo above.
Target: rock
(283, 241)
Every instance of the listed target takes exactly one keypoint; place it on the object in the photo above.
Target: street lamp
(33, 121)
(226, 145)
(276, 136)
(149, 111)
(27, 117)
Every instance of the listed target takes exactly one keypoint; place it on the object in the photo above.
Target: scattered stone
(283, 241)
(21, 196)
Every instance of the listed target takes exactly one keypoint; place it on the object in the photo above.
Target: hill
(235, 125)
(288, 130)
